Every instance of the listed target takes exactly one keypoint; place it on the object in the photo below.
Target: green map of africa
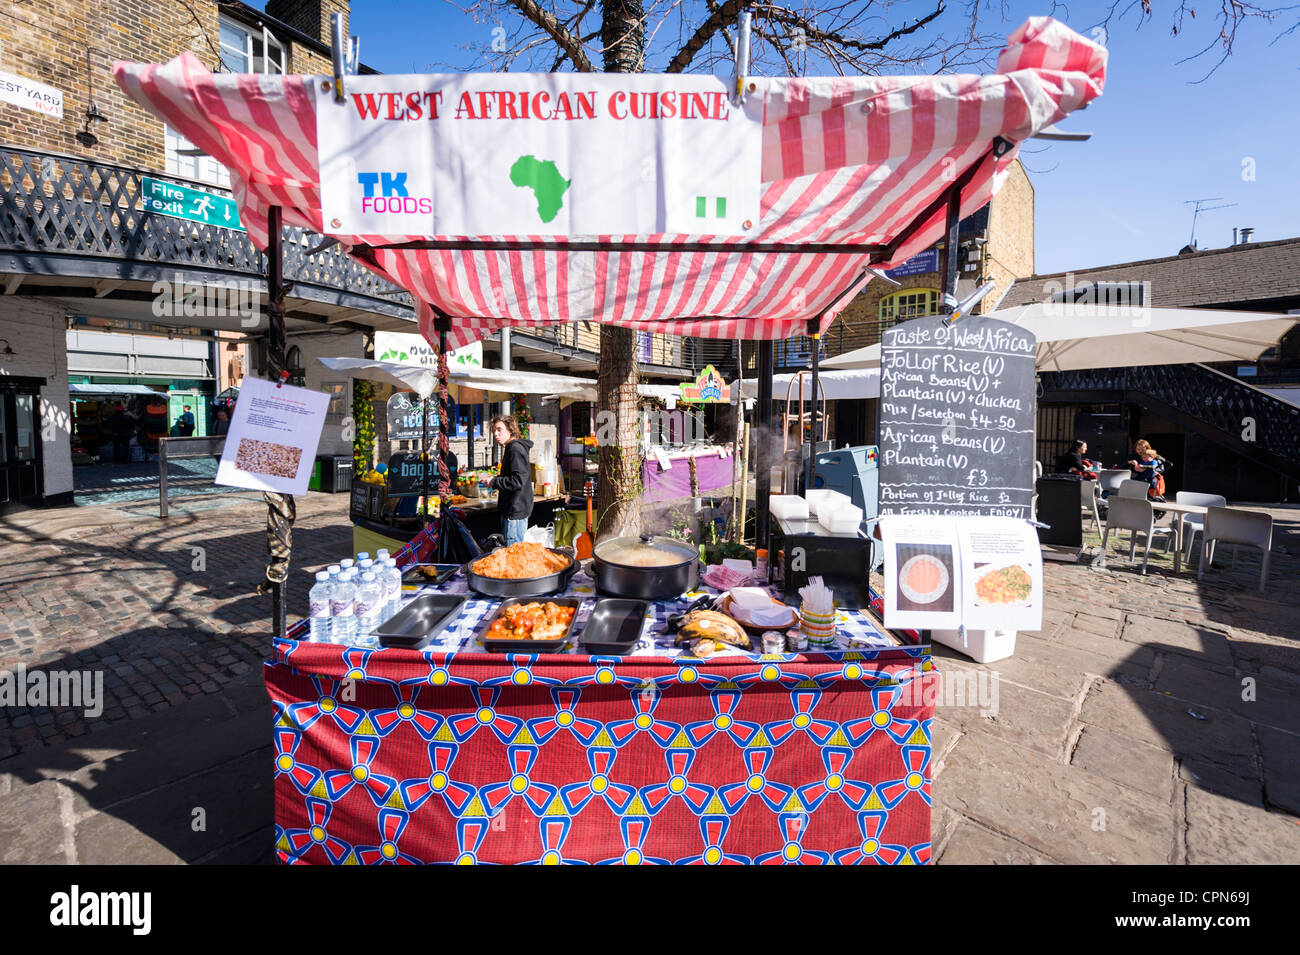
(541, 176)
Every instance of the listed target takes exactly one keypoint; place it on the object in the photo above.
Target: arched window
(293, 363)
(906, 304)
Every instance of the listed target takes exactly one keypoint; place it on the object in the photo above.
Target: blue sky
(1159, 136)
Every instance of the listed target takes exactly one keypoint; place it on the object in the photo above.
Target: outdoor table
(1177, 509)
(456, 755)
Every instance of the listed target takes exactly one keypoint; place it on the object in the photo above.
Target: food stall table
(455, 755)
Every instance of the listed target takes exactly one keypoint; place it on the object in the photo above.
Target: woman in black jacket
(515, 482)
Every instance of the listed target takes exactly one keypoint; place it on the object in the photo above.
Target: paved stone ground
(1123, 730)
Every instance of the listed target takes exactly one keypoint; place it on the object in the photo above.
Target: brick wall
(48, 41)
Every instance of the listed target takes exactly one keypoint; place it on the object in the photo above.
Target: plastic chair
(1088, 501)
(1196, 522)
(1038, 470)
(1236, 527)
(1135, 490)
(1133, 515)
(1109, 481)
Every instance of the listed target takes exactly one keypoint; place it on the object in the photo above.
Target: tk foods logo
(393, 195)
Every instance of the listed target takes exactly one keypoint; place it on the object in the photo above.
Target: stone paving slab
(1052, 808)
(1128, 762)
(1224, 831)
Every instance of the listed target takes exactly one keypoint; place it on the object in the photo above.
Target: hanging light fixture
(93, 115)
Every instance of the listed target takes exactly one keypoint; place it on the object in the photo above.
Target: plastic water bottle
(318, 598)
(335, 570)
(364, 555)
(364, 564)
(368, 605)
(382, 555)
(393, 590)
(343, 610)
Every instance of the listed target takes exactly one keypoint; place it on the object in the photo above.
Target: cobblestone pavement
(1152, 719)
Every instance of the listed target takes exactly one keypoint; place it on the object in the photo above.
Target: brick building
(80, 259)
(996, 244)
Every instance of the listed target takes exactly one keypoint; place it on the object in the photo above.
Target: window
(293, 364)
(907, 304)
(246, 49)
(187, 162)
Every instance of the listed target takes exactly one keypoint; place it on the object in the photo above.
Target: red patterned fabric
(477, 758)
(845, 160)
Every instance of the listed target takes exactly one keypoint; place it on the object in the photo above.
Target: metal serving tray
(420, 621)
(614, 626)
(413, 577)
(530, 646)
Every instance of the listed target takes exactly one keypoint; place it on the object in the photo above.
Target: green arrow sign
(169, 199)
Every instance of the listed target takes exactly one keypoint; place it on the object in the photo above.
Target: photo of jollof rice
(267, 457)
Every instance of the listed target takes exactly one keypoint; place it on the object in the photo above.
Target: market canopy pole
(763, 454)
(280, 508)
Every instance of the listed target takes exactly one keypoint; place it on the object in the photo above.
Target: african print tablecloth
(399, 756)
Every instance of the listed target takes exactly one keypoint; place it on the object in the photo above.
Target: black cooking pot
(645, 567)
(520, 587)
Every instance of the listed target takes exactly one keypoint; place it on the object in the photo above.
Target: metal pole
(816, 422)
(162, 477)
(763, 455)
(424, 463)
(280, 508)
(949, 266)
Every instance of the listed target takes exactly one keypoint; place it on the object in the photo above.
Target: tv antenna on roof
(1199, 209)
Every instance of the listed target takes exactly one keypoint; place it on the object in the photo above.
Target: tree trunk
(618, 497)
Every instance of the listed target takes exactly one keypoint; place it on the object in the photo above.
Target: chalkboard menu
(406, 474)
(957, 418)
(404, 416)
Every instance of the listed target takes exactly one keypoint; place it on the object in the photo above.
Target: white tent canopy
(845, 383)
(1098, 336)
(496, 384)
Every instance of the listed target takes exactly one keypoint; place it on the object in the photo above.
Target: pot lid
(646, 551)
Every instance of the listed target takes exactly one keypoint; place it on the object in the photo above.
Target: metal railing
(65, 207)
(1232, 408)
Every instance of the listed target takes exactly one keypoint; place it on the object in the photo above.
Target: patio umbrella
(1098, 336)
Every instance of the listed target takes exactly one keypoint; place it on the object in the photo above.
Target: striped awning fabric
(858, 163)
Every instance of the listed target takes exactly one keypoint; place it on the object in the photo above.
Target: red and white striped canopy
(846, 162)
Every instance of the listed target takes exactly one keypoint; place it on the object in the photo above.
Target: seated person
(1150, 467)
(1074, 462)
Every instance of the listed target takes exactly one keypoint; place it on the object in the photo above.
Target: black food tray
(413, 576)
(530, 646)
(412, 627)
(614, 626)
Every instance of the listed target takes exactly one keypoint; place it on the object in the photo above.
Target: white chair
(1192, 524)
(1088, 501)
(1133, 515)
(1109, 481)
(1235, 527)
(1134, 490)
(1038, 470)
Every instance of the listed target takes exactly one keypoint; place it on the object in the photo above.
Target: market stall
(694, 753)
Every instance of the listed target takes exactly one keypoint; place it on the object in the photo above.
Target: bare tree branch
(724, 15)
(557, 32)
(782, 15)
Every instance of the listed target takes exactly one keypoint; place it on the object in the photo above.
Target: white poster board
(273, 436)
(538, 154)
(984, 573)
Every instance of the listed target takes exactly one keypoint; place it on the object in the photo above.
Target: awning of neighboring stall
(496, 385)
(1125, 337)
(101, 389)
(839, 385)
(855, 171)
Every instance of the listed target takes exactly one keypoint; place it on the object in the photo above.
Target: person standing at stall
(514, 483)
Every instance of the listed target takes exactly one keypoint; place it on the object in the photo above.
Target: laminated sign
(538, 154)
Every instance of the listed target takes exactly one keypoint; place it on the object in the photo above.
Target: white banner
(407, 349)
(29, 94)
(538, 154)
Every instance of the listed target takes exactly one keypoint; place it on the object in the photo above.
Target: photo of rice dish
(267, 457)
(1004, 587)
(923, 579)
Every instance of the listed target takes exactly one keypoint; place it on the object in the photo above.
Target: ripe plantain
(711, 625)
